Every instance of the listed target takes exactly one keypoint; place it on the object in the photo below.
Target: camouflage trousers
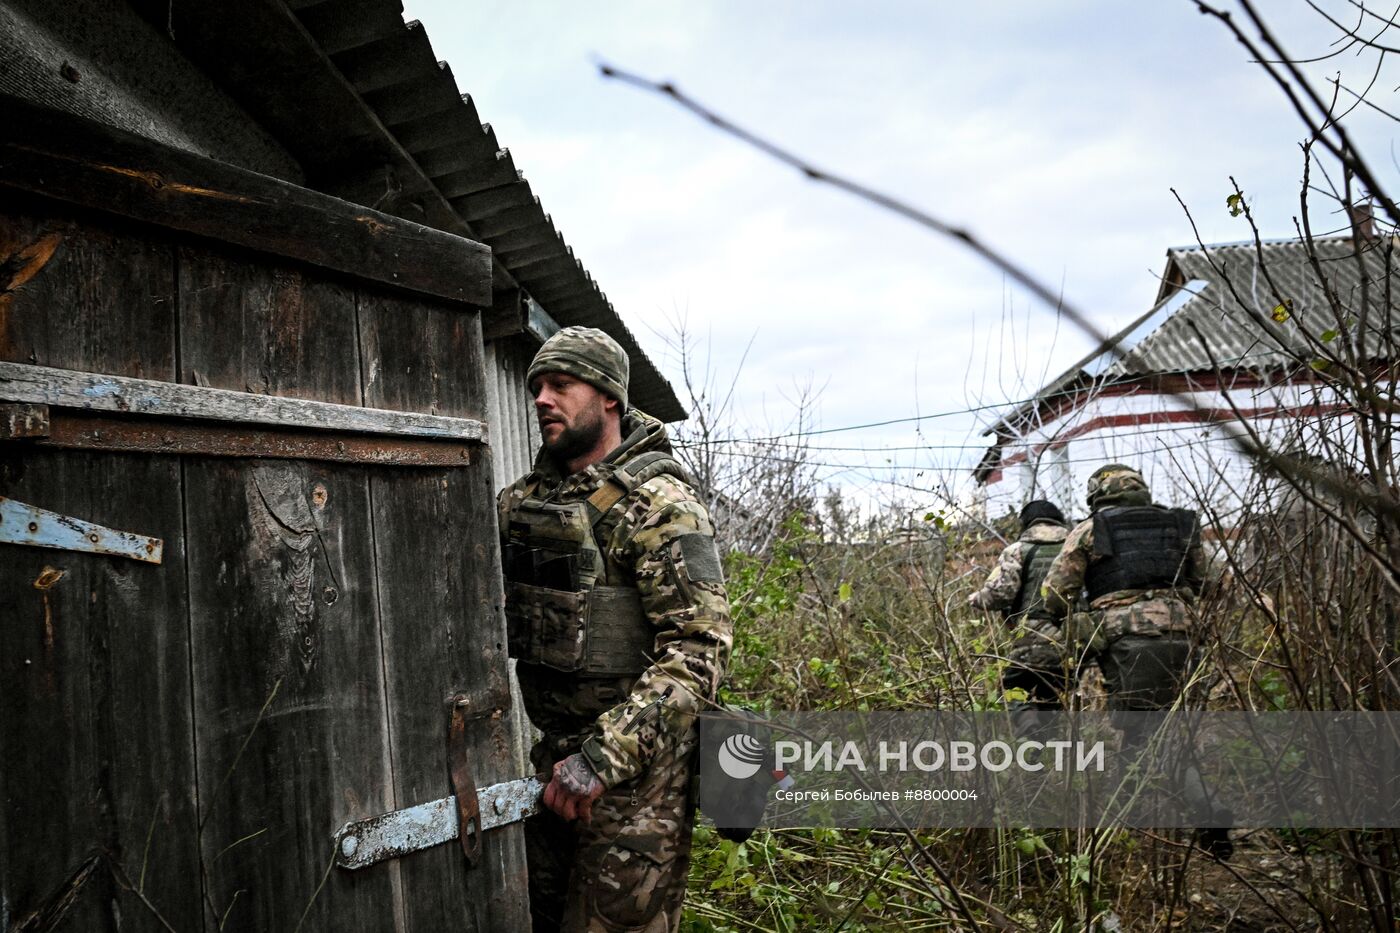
(1146, 672)
(1040, 665)
(626, 869)
(1143, 675)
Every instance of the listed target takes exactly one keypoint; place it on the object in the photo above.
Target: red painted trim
(1202, 381)
(1202, 415)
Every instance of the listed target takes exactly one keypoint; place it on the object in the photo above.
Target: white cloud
(1054, 131)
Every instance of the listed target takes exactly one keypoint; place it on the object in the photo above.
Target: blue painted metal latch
(28, 524)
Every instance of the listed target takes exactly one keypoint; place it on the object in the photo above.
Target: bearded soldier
(617, 614)
(1142, 567)
(1037, 654)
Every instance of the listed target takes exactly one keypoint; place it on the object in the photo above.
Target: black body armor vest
(561, 609)
(1029, 603)
(1140, 547)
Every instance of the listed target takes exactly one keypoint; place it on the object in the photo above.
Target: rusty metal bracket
(76, 430)
(28, 524)
(463, 785)
(19, 420)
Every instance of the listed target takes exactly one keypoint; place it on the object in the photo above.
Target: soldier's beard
(578, 438)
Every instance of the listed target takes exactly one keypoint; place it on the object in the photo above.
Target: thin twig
(236, 843)
(241, 748)
(1050, 296)
(119, 875)
(317, 893)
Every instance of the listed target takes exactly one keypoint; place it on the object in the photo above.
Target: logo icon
(741, 756)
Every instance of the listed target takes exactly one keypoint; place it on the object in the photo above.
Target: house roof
(1236, 306)
(1259, 307)
(359, 98)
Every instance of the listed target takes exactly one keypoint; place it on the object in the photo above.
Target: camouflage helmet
(1116, 482)
(585, 353)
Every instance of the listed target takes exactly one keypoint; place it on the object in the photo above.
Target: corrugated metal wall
(515, 436)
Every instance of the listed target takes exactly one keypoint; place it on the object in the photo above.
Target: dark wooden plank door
(291, 718)
(440, 606)
(95, 716)
(180, 741)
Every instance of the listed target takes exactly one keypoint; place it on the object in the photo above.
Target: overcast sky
(1054, 130)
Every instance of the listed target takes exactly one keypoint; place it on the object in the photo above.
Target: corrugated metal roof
(392, 67)
(1244, 285)
(1228, 295)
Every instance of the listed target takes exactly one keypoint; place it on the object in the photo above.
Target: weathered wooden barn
(268, 288)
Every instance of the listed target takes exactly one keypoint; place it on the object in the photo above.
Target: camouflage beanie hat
(1117, 482)
(585, 353)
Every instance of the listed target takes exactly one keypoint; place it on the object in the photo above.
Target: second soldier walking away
(619, 620)
(1037, 660)
(1143, 568)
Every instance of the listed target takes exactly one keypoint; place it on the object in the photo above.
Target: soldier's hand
(573, 788)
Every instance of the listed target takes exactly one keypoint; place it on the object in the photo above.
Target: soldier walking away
(617, 614)
(1142, 567)
(1038, 662)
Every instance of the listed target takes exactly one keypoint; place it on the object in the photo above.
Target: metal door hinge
(399, 832)
(28, 524)
(464, 816)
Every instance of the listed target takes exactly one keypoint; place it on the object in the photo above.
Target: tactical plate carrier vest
(1141, 547)
(562, 610)
(1029, 603)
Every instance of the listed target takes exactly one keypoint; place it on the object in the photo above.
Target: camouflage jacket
(1004, 582)
(615, 722)
(1123, 612)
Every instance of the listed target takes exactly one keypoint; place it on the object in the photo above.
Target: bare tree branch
(1052, 297)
